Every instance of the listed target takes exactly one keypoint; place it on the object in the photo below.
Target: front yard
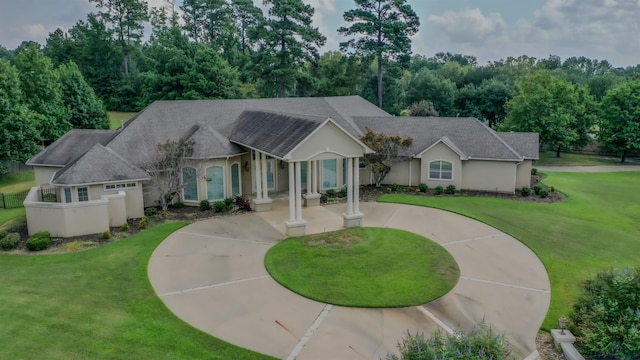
(596, 227)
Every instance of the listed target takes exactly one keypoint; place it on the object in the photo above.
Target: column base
(352, 220)
(296, 227)
(260, 205)
(311, 200)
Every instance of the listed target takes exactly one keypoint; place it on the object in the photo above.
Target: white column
(356, 185)
(257, 176)
(310, 189)
(292, 194)
(349, 186)
(265, 183)
(317, 175)
(298, 185)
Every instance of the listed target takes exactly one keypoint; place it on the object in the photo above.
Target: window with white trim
(67, 195)
(215, 183)
(120, 186)
(83, 194)
(190, 184)
(329, 174)
(440, 170)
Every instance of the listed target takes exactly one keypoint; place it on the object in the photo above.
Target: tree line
(216, 49)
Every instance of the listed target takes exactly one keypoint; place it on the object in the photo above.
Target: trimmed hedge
(39, 241)
(9, 241)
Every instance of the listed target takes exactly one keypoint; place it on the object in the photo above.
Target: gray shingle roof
(526, 144)
(272, 132)
(170, 120)
(211, 144)
(98, 165)
(471, 137)
(70, 146)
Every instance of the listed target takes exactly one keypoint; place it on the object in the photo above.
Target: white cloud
(38, 31)
(469, 25)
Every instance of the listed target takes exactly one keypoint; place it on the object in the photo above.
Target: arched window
(215, 183)
(440, 170)
(190, 183)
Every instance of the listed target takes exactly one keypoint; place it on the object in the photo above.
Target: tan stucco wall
(117, 208)
(523, 174)
(497, 176)
(328, 142)
(66, 220)
(441, 152)
(406, 172)
(44, 174)
(134, 198)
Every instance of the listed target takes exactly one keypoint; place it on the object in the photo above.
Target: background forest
(220, 49)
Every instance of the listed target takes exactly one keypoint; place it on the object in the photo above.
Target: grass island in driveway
(364, 267)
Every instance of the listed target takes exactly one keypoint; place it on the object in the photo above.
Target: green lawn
(548, 158)
(597, 227)
(16, 182)
(364, 267)
(117, 118)
(96, 304)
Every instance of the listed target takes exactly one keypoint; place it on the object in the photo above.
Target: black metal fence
(11, 201)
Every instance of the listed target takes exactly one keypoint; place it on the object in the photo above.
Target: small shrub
(423, 187)
(534, 171)
(219, 206)
(543, 193)
(204, 205)
(144, 222)
(39, 241)
(395, 187)
(343, 192)
(9, 241)
(125, 227)
(552, 189)
(331, 193)
(525, 191)
(150, 211)
(3, 234)
(228, 203)
(537, 188)
(243, 203)
(438, 190)
(177, 205)
(106, 235)
(606, 315)
(479, 343)
(451, 189)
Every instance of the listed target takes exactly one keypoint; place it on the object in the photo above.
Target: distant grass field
(548, 158)
(16, 182)
(117, 118)
(97, 304)
(597, 227)
(364, 267)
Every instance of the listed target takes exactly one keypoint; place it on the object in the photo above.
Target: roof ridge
(495, 134)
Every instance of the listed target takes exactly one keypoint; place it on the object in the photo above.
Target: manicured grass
(11, 218)
(117, 118)
(597, 227)
(96, 304)
(364, 267)
(548, 158)
(16, 182)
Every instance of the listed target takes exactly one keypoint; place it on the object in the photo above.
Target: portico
(301, 142)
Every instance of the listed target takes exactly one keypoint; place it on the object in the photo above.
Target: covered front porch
(297, 144)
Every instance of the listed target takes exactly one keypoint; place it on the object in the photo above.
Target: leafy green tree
(620, 119)
(428, 85)
(485, 102)
(386, 152)
(206, 20)
(599, 85)
(384, 28)
(41, 82)
(59, 47)
(606, 315)
(559, 111)
(87, 111)
(248, 18)
(422, 108)
(338, 74)
(18, 124)
(286, 41)
(127, 19)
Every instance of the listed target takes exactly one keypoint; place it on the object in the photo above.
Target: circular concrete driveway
(211, 274)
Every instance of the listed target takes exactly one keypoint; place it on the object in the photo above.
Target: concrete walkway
(211, 275)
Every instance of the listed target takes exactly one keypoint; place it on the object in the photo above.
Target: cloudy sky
(487, 29)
